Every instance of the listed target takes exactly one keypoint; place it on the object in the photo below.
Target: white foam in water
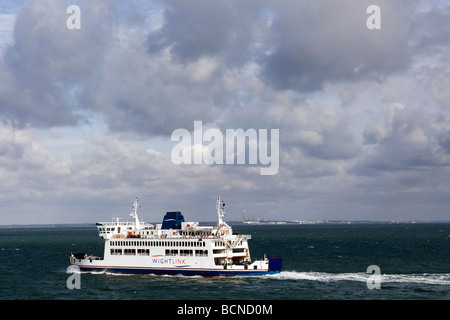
(426, 278)
(73, 269)
(319, 276)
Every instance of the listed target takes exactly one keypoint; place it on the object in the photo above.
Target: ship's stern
(275, 264)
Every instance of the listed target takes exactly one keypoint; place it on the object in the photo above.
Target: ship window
(186, 252)
(201, 253)
(116, 252)
(143, 252)
(171, 252)
(130, 252)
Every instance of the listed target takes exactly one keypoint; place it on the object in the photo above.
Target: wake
(424, 278)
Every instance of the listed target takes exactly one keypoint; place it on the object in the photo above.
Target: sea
(320, 262)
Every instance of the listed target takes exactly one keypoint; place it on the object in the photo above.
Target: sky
(87, 115)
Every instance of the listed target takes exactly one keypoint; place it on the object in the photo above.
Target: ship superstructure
(174, 247)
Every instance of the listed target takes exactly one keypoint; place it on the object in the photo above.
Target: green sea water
(319, 262)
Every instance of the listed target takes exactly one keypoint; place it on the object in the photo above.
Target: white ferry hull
(178, 266)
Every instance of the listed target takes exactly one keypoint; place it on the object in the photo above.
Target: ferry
(174, 247)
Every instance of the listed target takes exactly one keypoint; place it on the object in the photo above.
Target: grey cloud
(153, 81)
(154, 95)
(321, 41)
(193, 29)
(310, 69)
(48, 65)
(408, 141)
(316, 130)
(430, 29)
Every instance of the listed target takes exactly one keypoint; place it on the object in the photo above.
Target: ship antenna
(135, 215)
(220, 205)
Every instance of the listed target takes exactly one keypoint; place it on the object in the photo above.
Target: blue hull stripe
(187, 272)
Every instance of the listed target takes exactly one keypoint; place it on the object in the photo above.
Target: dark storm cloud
(319, 41)
(155, 81)
(193, 29)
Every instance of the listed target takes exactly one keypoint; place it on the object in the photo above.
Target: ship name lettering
(169, 261)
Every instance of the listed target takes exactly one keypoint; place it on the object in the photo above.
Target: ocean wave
(425, 278)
